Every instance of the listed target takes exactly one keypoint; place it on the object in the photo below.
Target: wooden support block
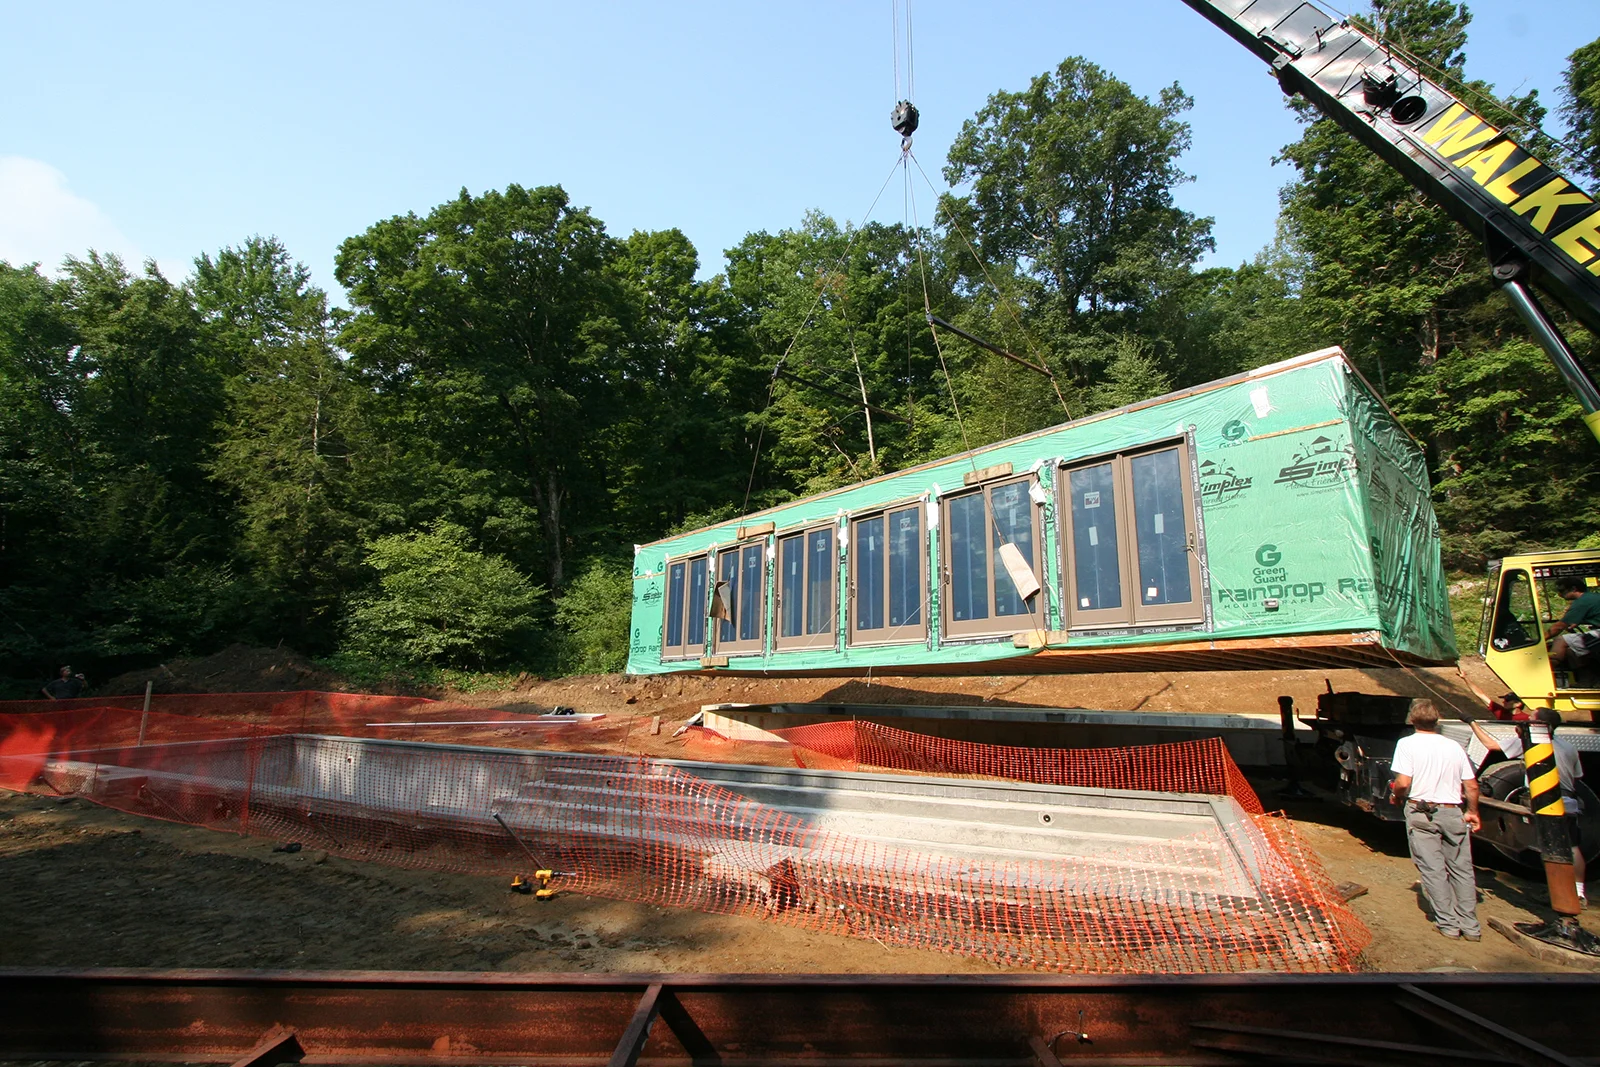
(713, 661)
(999, 470)
(757, 529)
(1350, 890)
(655, 724)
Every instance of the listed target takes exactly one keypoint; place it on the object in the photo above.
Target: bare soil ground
(85, 886)
(90, 887)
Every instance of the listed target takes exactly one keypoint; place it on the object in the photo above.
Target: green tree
(442, 603)
(681, 442)
(837, 316)
(1580, 106)
(595, 614)
(288, 436)
(1071, 187)
(497, 336)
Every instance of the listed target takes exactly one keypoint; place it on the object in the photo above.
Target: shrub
(442, 603)
(594, 615)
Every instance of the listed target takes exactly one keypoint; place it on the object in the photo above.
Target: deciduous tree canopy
(452, 473)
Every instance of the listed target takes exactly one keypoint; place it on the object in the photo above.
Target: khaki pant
(1441, 847)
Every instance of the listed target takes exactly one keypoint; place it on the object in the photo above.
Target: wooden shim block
(999, 470)
(758, 529)
(655, 724)
(1350, 890)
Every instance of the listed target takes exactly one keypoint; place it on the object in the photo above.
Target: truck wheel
(1506, 781)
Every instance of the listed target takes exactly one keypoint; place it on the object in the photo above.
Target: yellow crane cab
(1519, 606)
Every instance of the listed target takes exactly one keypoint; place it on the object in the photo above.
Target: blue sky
(165, 130)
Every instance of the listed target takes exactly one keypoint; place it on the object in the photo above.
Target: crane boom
(1536, 225)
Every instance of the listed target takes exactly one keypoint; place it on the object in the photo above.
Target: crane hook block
(904, 118)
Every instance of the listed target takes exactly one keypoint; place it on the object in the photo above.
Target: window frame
(1133, 612)
(905, 633)
(748, 646)
(828, 638)
(992, 626)
(684, 650)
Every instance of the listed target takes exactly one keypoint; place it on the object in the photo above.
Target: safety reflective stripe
(1544, 780)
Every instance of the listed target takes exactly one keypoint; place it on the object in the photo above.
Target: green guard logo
(1269, 556)
(1234, 432)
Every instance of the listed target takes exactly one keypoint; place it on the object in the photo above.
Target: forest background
(448, 478)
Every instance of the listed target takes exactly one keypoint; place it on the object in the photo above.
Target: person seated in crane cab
(1575, 638)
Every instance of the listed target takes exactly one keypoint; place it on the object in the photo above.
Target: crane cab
(1520, 604)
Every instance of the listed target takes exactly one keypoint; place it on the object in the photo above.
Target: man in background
(1568, 767)
(66, 686)
(1435, 781)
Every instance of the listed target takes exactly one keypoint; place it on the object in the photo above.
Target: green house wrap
(1278, 518)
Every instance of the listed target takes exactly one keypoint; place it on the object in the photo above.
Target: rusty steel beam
(570, 1019)
(387, 1018)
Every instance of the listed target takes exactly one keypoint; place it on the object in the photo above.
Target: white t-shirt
(1568, 766)
(1436, 764)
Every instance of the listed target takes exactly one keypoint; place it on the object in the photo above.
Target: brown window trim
(735, 646)
(1132, 613)
(828, 638)
(905, 633)
(684, 650)
(993, 625)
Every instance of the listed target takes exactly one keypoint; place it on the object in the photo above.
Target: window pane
(1160, 529)
(1515, 624)
(728, 583)
(749, 614)
(1096, 570)
(675, 606)
(905, 567)
(1013, 523)
(791, 586)
(696, 605)
(969, 559)
(869, 549)
(820, 575)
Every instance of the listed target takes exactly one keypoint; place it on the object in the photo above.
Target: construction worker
(1568, 766)
(1432, 778)
(1571, 639)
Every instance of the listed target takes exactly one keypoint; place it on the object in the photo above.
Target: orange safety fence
(1242, 894)
(1202, 766)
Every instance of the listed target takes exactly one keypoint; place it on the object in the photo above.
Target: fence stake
(144, 720)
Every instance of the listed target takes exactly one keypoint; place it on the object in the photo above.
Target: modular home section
(1276, 518)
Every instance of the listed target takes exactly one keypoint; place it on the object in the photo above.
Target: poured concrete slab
(743, 823)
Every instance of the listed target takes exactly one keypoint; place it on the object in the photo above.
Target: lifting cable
(772, 385)
(912, 234)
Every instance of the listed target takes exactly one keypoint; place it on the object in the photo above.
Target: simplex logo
(1220, 483)
(1322, 463)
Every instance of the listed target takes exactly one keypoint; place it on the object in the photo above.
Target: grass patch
(1466, 608)
(376, 675)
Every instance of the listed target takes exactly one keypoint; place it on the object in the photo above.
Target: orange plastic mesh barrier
(1239, 893)
(1202, 766)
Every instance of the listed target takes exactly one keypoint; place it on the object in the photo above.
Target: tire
(1506, 782)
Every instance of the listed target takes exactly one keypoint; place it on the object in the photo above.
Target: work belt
(1428, 807)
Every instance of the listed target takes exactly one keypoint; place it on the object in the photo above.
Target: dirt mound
(236, 669)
